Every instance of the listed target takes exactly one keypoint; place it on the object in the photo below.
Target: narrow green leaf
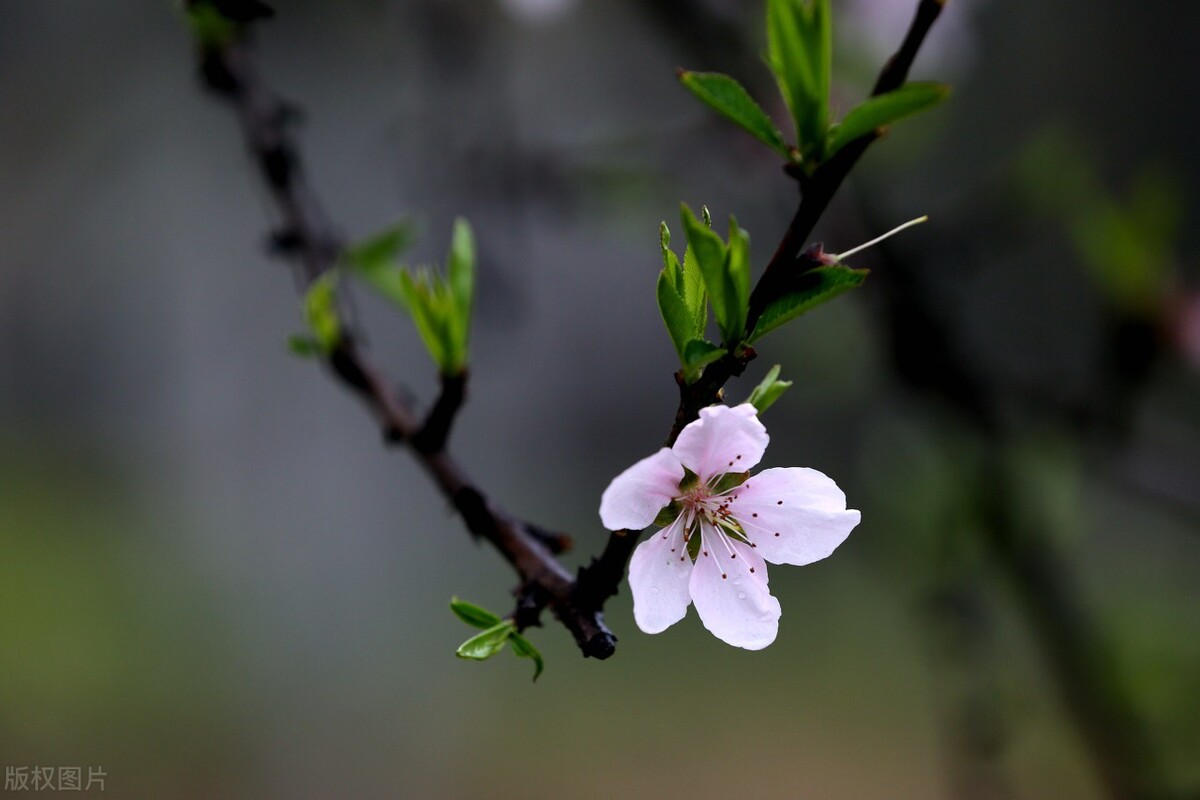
(800, 53)
(727, 97)
(381, 249)
(460, 279)
(711, 258)
(675, 314)
(737, 273)
(211, 28)
(422, 301)
(473, 614)
(304, 346)
(320, 311)
(817, 286)
(691, 288)
(486, 644)
(524, 649)
(884, 109)
(822, 56)
(768, 391)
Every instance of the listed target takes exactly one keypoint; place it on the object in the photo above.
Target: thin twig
(308, 238)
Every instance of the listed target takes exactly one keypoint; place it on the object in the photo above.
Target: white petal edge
(635, 497)
(722, 440)
(729, 589)
(658, 578)
(808, 525)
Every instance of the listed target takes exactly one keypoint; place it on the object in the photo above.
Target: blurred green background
(215, 582)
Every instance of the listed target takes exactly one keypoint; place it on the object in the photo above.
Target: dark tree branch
(307, 237)
(434, 432)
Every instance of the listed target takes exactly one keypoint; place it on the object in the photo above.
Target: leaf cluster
(497, 632)
(800, 55)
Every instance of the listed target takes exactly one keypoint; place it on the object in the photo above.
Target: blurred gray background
(215, 581)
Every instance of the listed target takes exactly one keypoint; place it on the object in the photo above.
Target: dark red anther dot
(739, 458)
(733, 555)
(752, 569)
(776, 533)
(723, 576)
(778, 502)
(755, 514)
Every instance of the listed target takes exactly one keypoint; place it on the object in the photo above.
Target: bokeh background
(215, 581)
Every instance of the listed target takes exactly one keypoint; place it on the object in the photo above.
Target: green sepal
(668, 515)
(876, 112)
(693, 545)
(524, 649)
(484, 645)
(800, 53)
(727, 97)
(818, 285)
(472, 614)
(320, 312)
(729, 480)
(767, 392)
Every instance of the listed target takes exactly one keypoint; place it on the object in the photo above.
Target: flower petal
(722, 440)
(793, 515)
(729, 587)
(635, 497)
(658, 577)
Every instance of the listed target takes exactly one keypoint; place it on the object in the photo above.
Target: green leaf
(726, 275)
(876, 112)
(320, 311)
(426, 305)
(473, 614)
(698, 354)
(737, 273)
(486, 644)
(524, 649)
(816, 286)
(381, 249)
(767, 392)
(675, 314)
(460, 279)
(304, 346)
(727, 97)
(800, 53)
(210, 27)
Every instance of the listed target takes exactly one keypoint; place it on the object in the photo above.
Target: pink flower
(791, 515)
